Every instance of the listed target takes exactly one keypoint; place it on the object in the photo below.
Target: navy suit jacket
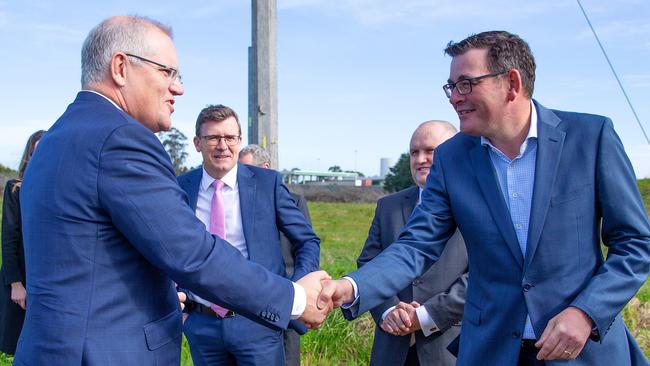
(267, 208)
(584, 183)
(106, 229)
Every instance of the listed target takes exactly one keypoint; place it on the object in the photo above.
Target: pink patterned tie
(218, 227)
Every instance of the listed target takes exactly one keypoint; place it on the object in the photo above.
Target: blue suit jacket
(106, 229)
(582, 177)
(267, 208)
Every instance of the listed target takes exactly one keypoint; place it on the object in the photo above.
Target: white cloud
(618, 29)
(415, 12)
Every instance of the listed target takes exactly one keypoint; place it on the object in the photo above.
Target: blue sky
(355, 77)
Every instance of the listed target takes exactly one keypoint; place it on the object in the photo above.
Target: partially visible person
(415, 326)
(13, 295)
(249, 207)
(257, 156)
(535, 193)
(106, 228)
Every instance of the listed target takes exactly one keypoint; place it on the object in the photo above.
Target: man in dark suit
(106, 228)
(416, 326)
(257, 207)
(533, 191)
(255, 155)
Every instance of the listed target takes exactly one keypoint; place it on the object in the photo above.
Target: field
(342, 228)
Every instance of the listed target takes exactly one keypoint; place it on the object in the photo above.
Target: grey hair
(115, 34)
(260, 156)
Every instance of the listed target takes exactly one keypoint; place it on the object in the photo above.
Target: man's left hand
(402, 320)
(565, 335)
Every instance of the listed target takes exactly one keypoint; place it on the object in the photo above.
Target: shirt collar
(532, 131)
(230, 179)
(103, 96)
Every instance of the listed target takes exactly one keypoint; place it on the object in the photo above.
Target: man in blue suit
(257, 208)
(254, 154)
(106, 228)
(533, 191)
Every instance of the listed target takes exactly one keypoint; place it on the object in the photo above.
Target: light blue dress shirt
(516, 179)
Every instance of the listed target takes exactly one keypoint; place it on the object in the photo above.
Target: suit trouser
(232, 341)
(291, 347)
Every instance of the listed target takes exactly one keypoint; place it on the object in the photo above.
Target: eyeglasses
(465, 86)
(171, 72)
(214, 140)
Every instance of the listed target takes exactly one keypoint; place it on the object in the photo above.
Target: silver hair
(115, 34)
(260, 156)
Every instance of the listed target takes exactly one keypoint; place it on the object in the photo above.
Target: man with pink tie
(249, 207)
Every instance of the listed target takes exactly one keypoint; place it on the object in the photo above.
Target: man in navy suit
(254, 154)
(533, 192)
(415, 326)
(107, 228)
(257, 208)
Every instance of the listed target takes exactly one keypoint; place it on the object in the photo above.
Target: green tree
(175, 143)
(5, 170)
(335, 169)
(399, 176)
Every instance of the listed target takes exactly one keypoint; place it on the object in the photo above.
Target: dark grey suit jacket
(441, 289)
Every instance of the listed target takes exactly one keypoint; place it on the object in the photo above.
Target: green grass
(342, 228)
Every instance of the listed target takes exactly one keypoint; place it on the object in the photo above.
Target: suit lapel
(409, 202)
(487, 182)
(247, 187)
(550, 141)
(194, 186)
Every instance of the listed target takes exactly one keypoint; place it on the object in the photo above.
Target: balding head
(426, 138)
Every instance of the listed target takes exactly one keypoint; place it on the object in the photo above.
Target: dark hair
(215, 113)
(506, 51)
(27, 155)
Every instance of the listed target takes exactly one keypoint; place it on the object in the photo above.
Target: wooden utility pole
(263, 79)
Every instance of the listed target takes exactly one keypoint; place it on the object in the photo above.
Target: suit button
(516, 335)
(527, 287)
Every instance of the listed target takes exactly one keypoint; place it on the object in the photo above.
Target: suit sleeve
(302, 206)
(446, 309)
(625, 231)
(370, 250)
(294, 225)
(138, 189)
(11, 236)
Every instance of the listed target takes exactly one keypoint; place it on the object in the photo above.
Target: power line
(638, 121)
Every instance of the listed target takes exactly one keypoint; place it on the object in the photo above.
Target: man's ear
(197, 143)
(117, 69)
(515, 87)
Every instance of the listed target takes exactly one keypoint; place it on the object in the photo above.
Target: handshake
(323, 296)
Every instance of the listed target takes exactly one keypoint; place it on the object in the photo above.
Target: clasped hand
(323, 295)
(314, 314)
(402, 319)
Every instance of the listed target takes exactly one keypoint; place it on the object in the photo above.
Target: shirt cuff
(356, 293)
(385, 314)
(299, 301)
(426, 321)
